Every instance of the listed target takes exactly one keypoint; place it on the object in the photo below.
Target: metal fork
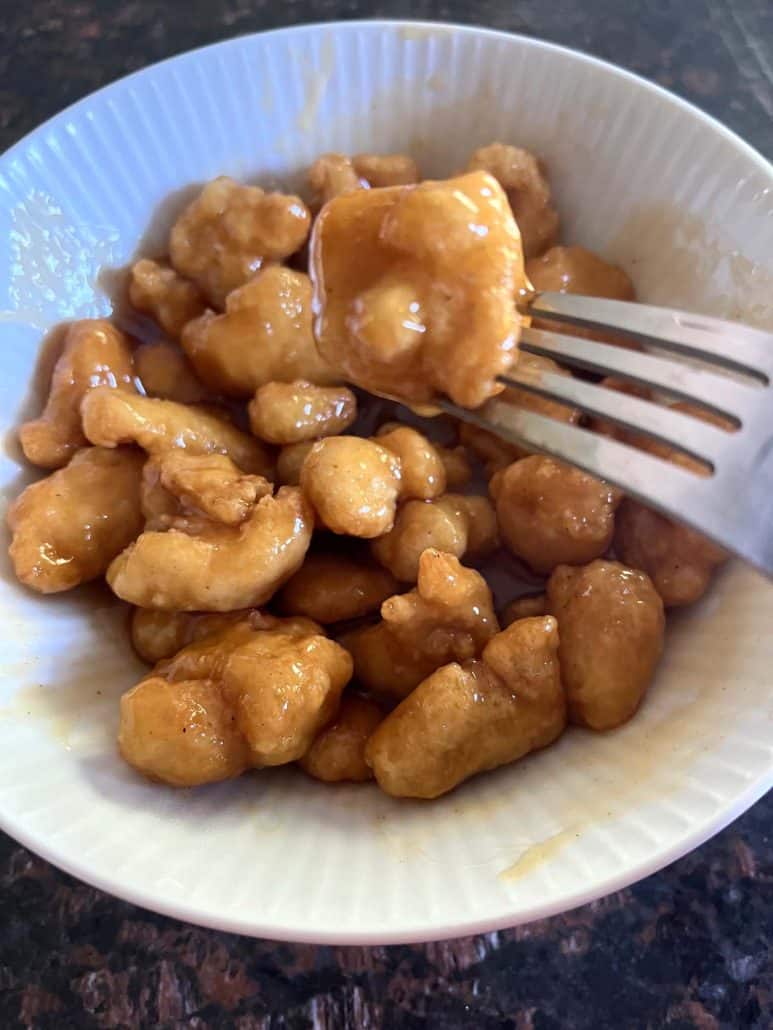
(733, 504)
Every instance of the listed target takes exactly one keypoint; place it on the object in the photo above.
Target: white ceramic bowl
(639, 175)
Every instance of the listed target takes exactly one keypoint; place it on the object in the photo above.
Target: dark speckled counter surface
(689, 947)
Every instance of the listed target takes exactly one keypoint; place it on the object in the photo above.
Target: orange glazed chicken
(467, 718)
(448, 616)
(232, 477)
(243, 697)
(415, 287)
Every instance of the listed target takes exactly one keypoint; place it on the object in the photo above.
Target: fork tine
(701, 440)
(718, 393)
(695, 335)
(676, 492)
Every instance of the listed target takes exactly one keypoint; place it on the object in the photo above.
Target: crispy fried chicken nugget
(288, 413)
(249, 697)
(466, 719)
(331, 175)
(577, 270)
(454, 523)
(353, 484)
(111, 418)
(157, 634)
(229, 231)
(550, 513)
(338, 753)
(449, 616)
(611, 623)
(95, 354)
(680, 562)
(423, 303)
(263, 336)
(331, 587)
(199, 565)
(422, 470)
(210, 484)
(182, 733)
(159, 291)
(68, 527)
(165, 372)
(386, 169)
(285, 686)
(524, 178)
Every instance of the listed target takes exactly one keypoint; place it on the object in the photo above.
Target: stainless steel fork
(733, 503)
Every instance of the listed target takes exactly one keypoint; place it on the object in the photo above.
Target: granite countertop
(690, 947)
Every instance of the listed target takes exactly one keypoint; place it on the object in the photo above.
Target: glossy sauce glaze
(414, 288)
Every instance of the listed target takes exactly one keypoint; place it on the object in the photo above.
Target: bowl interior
(638, 175)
